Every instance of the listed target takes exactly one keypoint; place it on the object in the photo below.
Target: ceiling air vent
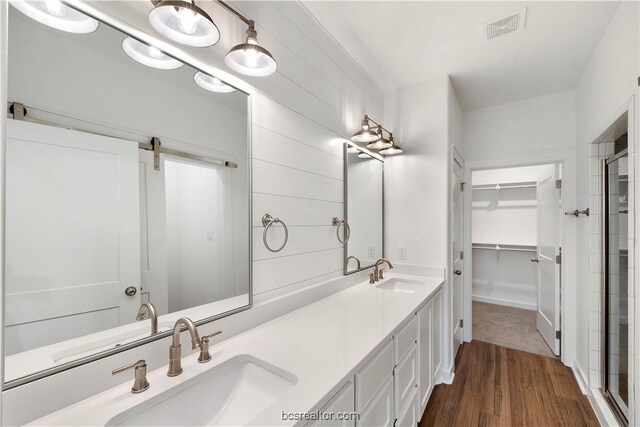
(508, 24)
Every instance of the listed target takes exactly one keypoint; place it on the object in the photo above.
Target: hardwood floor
(499, 386)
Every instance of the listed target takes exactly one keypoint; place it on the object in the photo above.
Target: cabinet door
(408, 416)
(436, 334)
(425, 370)
(379, 411)
(343, 402)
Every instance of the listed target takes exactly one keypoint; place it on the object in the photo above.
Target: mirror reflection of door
(72, 234)
(616, 282)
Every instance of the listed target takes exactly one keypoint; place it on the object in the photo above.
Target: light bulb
(54, 7)
(156, 53)
(187, 20)
(251, 57)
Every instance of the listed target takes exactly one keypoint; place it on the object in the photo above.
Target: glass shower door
(616, 336)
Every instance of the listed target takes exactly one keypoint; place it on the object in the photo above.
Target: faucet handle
(205, 356)
(380, 276)
(140, 382)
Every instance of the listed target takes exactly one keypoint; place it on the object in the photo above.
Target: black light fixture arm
(250, 22)
(368, 118)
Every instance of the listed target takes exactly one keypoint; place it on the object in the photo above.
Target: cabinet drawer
(379, 412)
(342, 401)
(405, 378)
(409, 414)
(405, 338)
(371, 377)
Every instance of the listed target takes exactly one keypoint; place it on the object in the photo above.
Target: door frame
(456, 157)
(568, 278)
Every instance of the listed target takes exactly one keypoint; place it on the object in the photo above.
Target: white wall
(417, 195)
(416, 191)
(532, 125)
(300, 117)
(197, 263)
(602, 94)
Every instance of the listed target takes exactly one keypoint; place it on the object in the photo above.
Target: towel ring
(347, 229)
(268, 221)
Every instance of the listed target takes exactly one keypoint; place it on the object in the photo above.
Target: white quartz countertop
(322, 344)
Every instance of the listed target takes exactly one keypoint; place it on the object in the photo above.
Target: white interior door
(548, 221)
(456, 255)
(72, 234)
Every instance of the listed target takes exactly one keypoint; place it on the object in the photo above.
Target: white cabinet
(429, 347)
(408, 416)
(370, 378)
(379, 412)
(405, 379)
(342, 403)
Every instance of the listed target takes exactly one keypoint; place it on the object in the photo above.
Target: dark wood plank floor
(499, 386)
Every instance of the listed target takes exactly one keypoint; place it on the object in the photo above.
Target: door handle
(130, 291)
(457, 272)
(534, 259)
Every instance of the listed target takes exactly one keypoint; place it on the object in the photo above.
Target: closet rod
(504, 247)
(504, 186)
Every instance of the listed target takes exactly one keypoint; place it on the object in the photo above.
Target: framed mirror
(363, 209)
(127, 196)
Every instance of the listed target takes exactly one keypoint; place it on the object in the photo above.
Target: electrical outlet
(402, 254)
(372, 252)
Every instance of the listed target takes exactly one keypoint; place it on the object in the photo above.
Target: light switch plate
(371, 252)
(402, 254)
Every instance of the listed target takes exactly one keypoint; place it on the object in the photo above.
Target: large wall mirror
(364, 209)
(127, 195)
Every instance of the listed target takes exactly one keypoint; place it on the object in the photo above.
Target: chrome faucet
(148, 308)
(377, 273)
(175, 353)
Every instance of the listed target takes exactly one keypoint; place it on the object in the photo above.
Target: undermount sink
(231, 393)
(401, 285)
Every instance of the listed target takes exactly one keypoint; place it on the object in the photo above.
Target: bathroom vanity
(373, 349)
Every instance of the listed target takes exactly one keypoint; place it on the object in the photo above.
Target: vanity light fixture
(212, 84)
(365, 134)
(249, 58)
(149, 55)
(393, 150)
(381, 143)
(183, 22)
(56, 14)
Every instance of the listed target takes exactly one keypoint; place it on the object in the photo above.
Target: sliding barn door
(548, 219)
(72, 234)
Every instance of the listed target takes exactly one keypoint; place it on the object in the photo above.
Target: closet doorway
(516, 217)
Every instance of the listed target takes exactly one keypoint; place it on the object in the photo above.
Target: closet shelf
(505, 186)
(504, 247)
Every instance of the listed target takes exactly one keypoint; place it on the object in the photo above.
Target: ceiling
(399, 43)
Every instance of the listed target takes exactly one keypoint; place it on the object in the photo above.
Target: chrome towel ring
(347, 230)
(268, 221)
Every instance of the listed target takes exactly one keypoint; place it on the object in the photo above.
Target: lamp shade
(150, 56)
(55, 14)
(212, 84)
(184, 22)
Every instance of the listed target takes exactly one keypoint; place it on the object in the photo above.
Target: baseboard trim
(580, 378)
(508, 303)
(446, 375)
